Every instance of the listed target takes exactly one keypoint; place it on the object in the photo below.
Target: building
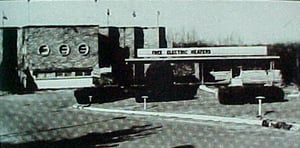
(54, 57)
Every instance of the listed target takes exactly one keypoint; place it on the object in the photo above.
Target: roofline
(11, 27)
(57, 26)
(143, 27)
(48, 26)
(91, 25)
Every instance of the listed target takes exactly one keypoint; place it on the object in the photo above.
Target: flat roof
(89, 25)
(58, 26)
(47, 26)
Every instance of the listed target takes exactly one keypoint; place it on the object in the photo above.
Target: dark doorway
(9, 80)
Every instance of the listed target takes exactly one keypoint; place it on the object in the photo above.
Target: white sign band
(203, 51)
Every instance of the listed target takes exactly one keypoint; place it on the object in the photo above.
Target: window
(64, 50)
(83, 49)
(44, 50)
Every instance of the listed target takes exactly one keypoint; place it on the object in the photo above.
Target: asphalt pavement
(48, 119)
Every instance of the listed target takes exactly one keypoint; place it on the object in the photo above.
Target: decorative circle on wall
(64, 50)
(83, 49)
(44, 50)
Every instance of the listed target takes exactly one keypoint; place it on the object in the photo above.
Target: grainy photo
(149, 73)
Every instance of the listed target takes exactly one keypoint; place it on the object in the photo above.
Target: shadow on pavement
(109, 139)
(184, 146)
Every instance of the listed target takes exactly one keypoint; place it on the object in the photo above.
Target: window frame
(68, 50)
(46, 53)
(87, 49)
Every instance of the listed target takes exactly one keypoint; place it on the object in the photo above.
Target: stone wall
(54, 37)
(53, 51)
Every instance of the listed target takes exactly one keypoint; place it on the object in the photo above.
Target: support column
(197, 70)
(202, 74)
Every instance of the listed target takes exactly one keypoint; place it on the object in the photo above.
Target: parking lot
(49, 119)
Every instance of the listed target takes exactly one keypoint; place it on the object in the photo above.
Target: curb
(184, 116)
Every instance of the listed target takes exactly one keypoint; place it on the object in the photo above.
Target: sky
(217, 22)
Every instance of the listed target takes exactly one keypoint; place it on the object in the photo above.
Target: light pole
(96, 12)
(28, 11)
(4, 17)
(107, 15)
(157, 18)
(134, 18)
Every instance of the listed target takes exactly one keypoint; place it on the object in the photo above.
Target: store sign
(202, 51)
(64, 49)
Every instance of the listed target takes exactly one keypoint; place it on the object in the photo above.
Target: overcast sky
(228, 22)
